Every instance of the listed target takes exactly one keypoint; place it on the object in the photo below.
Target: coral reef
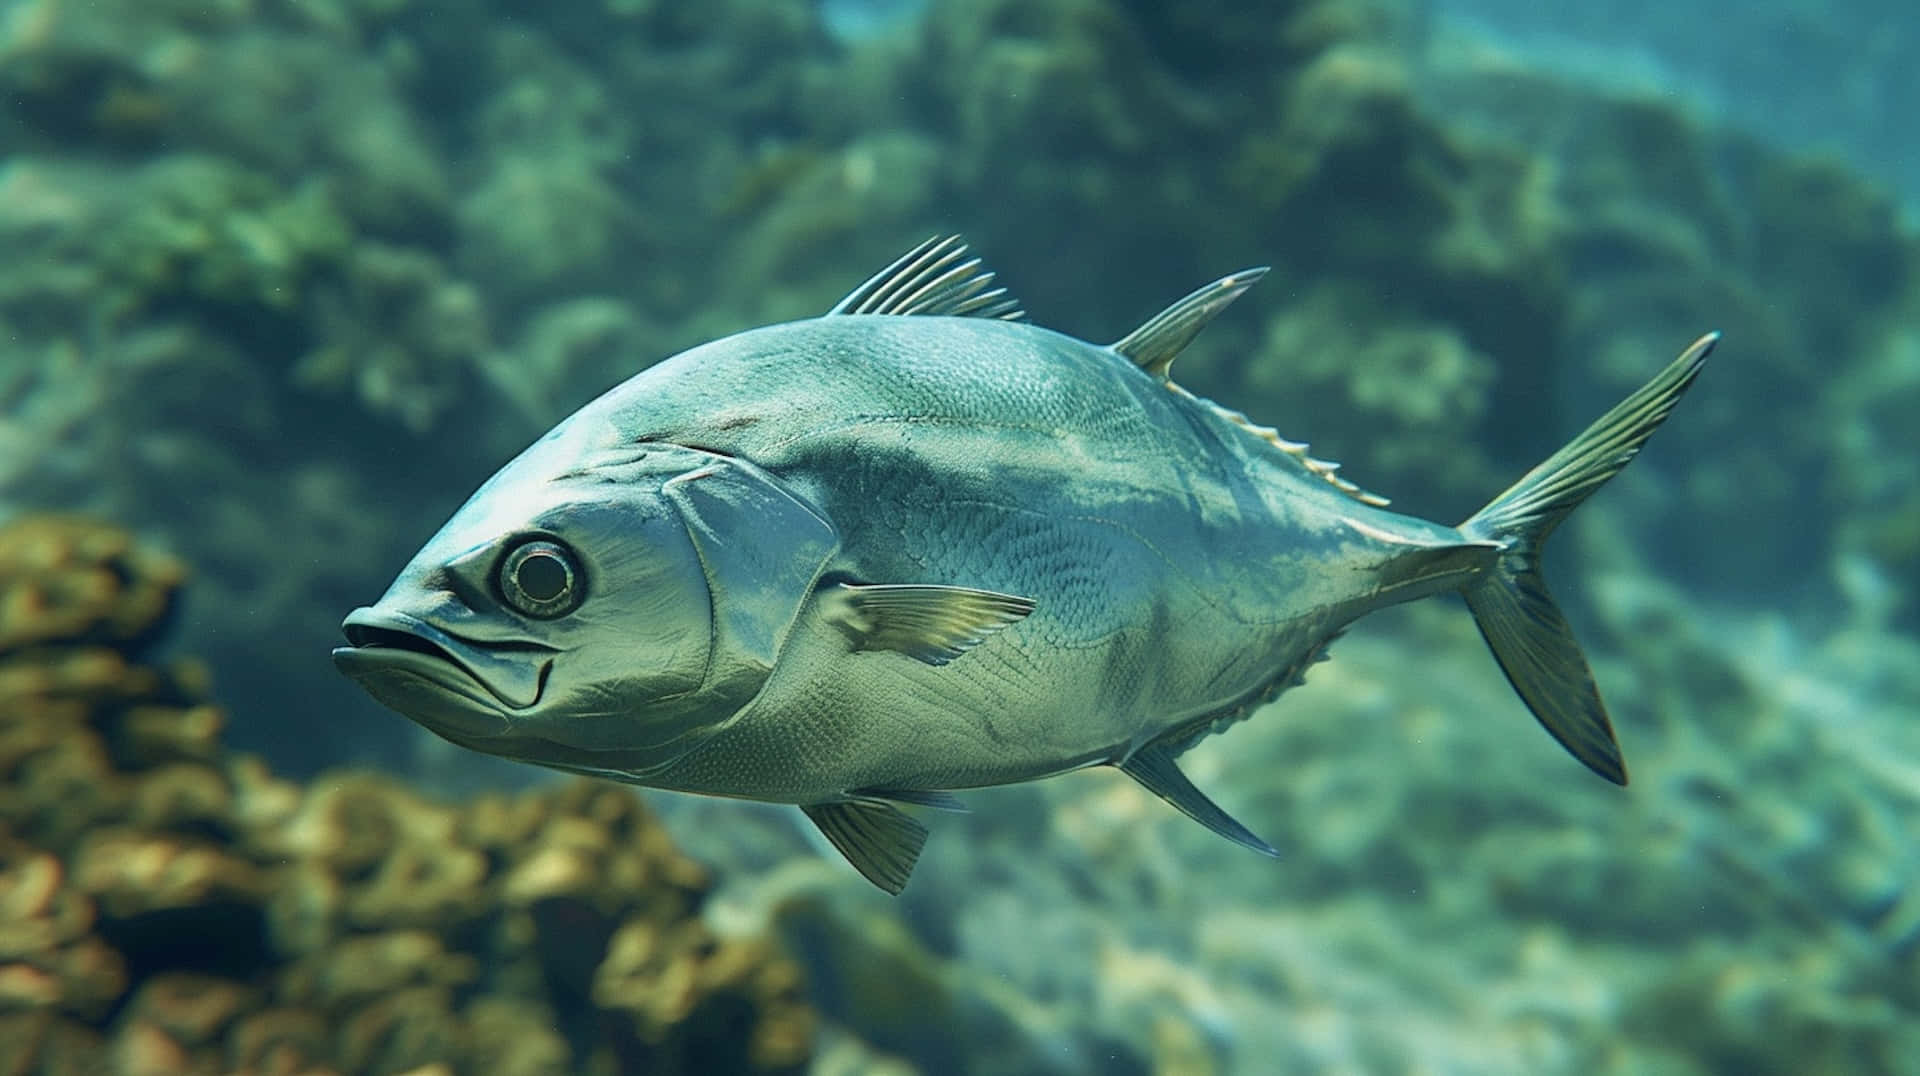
(169, 908)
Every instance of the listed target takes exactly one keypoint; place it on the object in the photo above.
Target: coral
(877, 977)
(168, 907)
(75, 583)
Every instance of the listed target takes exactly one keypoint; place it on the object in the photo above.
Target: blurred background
(282, 280)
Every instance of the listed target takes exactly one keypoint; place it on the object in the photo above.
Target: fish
(861, 562)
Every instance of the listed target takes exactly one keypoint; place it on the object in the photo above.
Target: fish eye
(540, 579)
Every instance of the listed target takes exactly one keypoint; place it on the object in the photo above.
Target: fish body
(916, 546)
(1180, 567)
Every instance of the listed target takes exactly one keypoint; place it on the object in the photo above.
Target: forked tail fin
(1516, 614)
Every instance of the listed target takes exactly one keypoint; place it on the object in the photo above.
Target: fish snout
(442, 680)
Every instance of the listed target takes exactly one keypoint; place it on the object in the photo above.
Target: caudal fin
(1516, 614)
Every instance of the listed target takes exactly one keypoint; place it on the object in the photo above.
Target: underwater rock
(169, 908)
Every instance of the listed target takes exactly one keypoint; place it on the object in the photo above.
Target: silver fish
(919, 545)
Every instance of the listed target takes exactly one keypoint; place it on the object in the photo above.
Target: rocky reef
(168, 907)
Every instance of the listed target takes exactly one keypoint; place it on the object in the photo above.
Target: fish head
(595, 608)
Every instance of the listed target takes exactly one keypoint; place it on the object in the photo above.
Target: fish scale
(917, 545)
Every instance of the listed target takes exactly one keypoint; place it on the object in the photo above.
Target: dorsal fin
(935, 278)
(1152, 346)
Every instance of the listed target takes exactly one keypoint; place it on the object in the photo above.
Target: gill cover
(761, 549)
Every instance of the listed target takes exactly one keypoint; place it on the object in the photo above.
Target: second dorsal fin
(936, 278)
(1152, 346)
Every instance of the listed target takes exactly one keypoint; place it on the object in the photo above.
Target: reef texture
(169, 908)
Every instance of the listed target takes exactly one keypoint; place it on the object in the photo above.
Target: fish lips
(438, 679)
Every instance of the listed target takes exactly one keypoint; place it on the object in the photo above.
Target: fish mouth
(440, 679)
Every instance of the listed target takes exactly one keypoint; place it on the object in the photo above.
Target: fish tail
(1511, 604)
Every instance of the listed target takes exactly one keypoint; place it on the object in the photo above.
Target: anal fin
(880, 840)
(1154, 767)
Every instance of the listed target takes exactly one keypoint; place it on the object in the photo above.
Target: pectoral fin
(933, 624)
(1153, 766)
(879, 840)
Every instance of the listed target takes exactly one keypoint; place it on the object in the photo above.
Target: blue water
(1830, 78)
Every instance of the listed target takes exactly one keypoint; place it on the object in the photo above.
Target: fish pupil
(542, 577)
